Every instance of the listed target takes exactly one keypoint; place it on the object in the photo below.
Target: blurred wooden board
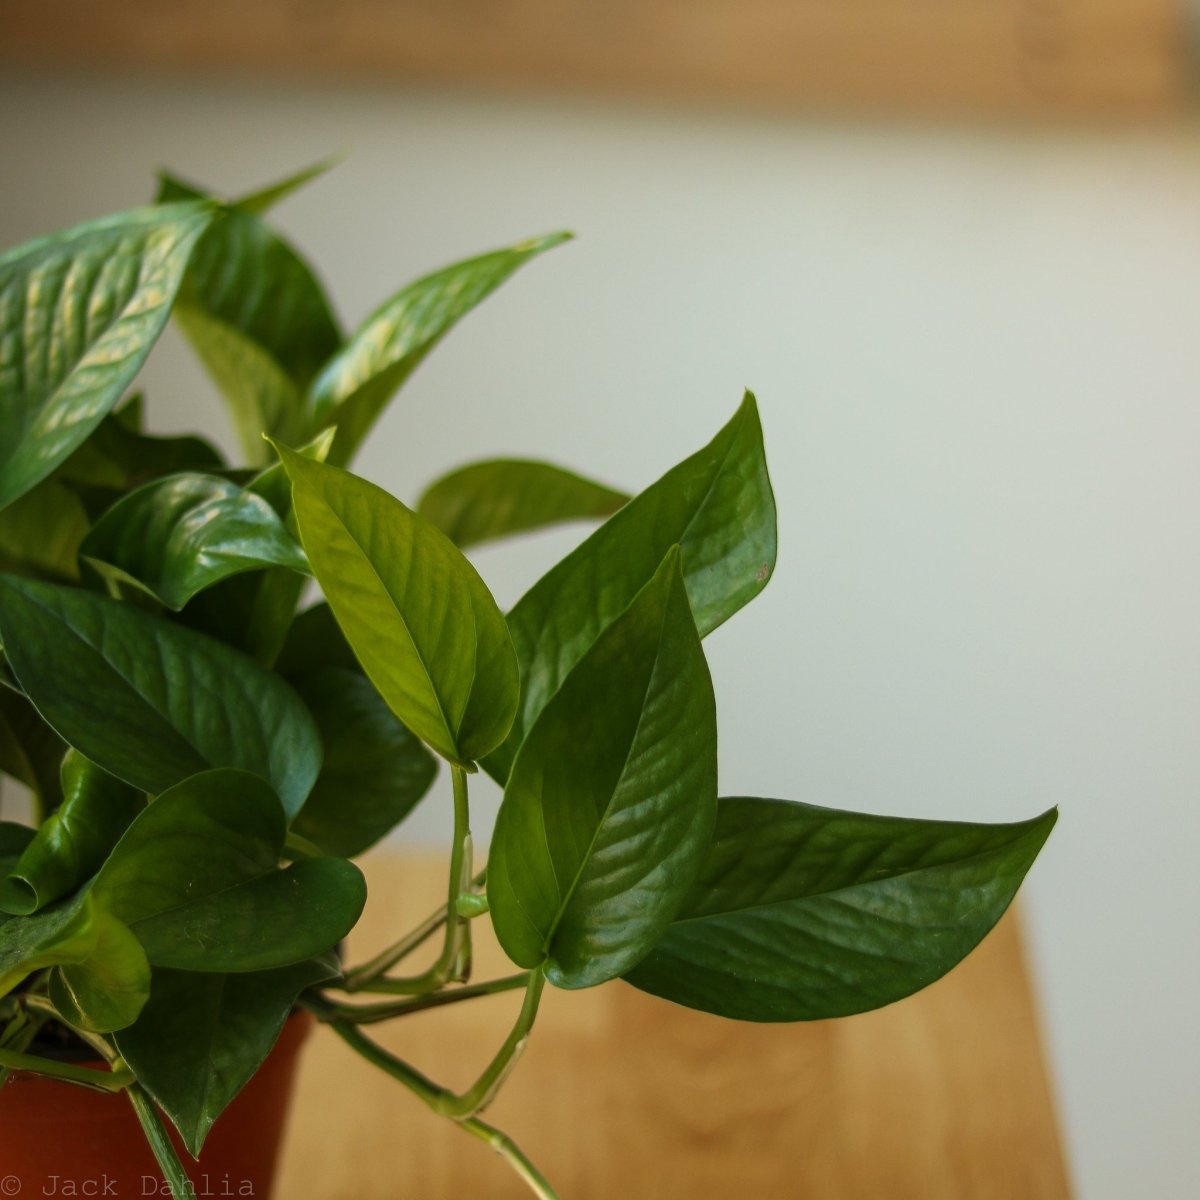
(940, 1097)
(998, 56)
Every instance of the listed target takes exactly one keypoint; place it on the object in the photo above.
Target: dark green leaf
(73, 842)
(488, 500)
(196, 878)
(148, 700)
(30, 750)
(201, 1037)
(79, 311)
(422, 623)
(374, 770)
(13, 840)
(108, 988)
(802, 913)
(611, 801)
(260, 322)
(41, 531)
(314, 641)
(179, 535)
(717, 506)
(356, 385)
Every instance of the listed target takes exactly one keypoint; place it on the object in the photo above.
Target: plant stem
(454, 962)
(156, 1136)
(115, 1080)
(512, 1153)
(371, 1014)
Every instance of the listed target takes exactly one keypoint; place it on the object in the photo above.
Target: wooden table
(940, 1097)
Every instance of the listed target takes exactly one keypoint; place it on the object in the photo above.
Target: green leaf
(265, 198)
(148, 700)
(420, 620)
(488, 500)
(716, 505)
(107, 989)
(196, 878)
(79, 311)
(260, 322)
(315, 641)
(73, 842)
(13, 840)
(356, 385)
(30, 750)
(179, 535)
(40, 532)
(374, 770)
(611, 801)
(201, 1037)
(802, 913)
(64, 933)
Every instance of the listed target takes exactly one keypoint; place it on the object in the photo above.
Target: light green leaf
(107, 989)
(610, 805)
(79, 311)
(202, 1036)
(148, 700)
(374, 770)
(356, 385)
(179, 535)
(716, 505)
(196, 878)
(420, 620)
(40, 532)
(802, 913)
(73, 842)
(64, 933)
(488, 500)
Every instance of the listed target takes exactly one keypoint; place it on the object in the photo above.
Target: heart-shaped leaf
(182, 534)
(716, 505)
(201, 1037)
(802, 913)
(107, 989)
(79, 311)
(196, 878)
(259, 320)
(610, 805)
(73, 842)
(374, 770)
(40, 532)
(357, 383)
(422, 623)
(148, 700)
(488, 500)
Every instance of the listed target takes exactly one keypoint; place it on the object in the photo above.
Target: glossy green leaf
(374, 770)
(182, 534)
(41, 531)
(148, 700)
(73, 842)
(420, 620)
(716, 505)
(488, 500)
(107, 989)
(79, 311)
(30, 751)
(63, 933)
(260, 322)
(196, 878)
(802, 913)
(355, 386)
(611, 802)
(202, 1036)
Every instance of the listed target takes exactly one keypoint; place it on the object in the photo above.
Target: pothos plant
(206, 762)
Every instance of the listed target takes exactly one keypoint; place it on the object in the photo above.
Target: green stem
(512, 1154)
(160, 1144)
(115, 1080)
(372, 1014)
(454, 962)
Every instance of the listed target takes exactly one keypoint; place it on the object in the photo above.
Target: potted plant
(206, 760)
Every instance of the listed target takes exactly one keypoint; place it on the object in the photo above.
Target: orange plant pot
(58, 1140)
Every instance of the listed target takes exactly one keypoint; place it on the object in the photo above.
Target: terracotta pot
(61, 1141)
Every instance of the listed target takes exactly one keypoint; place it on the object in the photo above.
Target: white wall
(975, 356)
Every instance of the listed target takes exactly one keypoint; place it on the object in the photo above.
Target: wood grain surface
(997, 56)
(943, 1096)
